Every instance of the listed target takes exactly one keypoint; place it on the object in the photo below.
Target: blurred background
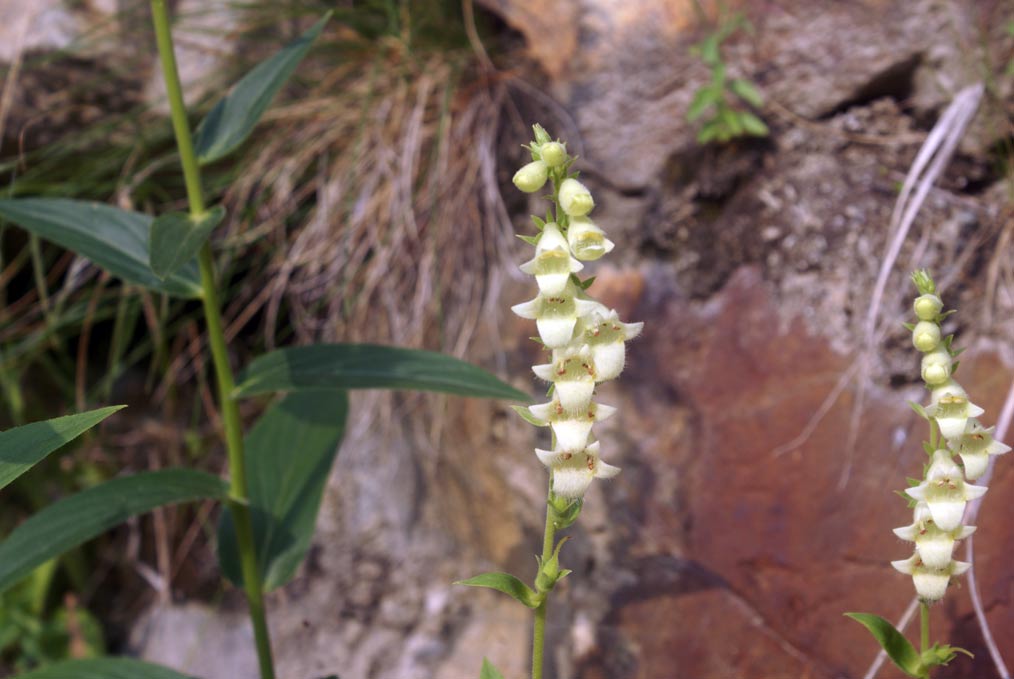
(762, 424)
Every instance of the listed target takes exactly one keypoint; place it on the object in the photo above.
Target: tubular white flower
(556, 315)
(573, 472)
(945, 492)
(951, 410)
(571, 428)
(930, 583)
(975, 447)
(572, 373)
(933, 545)
(553, 264)
(575, 198)
(587, 240)
(606, 336)
(926, 336)
(532, 176)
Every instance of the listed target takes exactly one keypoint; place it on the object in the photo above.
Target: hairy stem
(924, 626)
(539, 629)
(216, 338)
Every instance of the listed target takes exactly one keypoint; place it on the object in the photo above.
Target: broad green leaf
(104, 668)
(235, 116)
(368, 366)
(78, 518)
(176, 237)
(116, 240)
(508, 584)
(288, 455)
(488, 671)
(747, 92)
(898, 648)
(23, 447)
(753, 125)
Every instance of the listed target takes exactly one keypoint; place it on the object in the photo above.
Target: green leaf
(746, 91)
(908, 326)
(919, 409)
(488, 671)
(78, 518)
(710, 131)
(289, 453)
(894, 643)
(176, 237)
(704, 98)
(116, 240)
(23, 447)
(369, 366)
(104, 668)
(531, 240)
(708, 49)
(753, 125)
(508, 584)
(235, 116)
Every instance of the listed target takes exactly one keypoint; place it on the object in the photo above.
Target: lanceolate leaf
(23, 447)
(289, 453)
(369, 366)
(488, 671)
(234, 117)
(901, 652)
(104, 668)
(78, 518)
(176, 237)
(508, 584)
(116, 240)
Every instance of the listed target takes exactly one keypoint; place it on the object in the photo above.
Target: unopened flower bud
(532, 176)
(554, 154)
(927, 307)
(575, 198)
(926, 336)
(936, 367)
(587, 241)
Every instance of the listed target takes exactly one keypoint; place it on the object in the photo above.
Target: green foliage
(31, 636)
(368, 366)
(235, 116)
(509, 585)
(723, 104)
(115, 239)
(488, 671)
(23, 447)
(289, 453)
(78, 518)
(176, 238)
(901, 652)
(104, 668)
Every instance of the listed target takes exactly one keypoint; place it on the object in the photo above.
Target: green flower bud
(936, 367)
(554, 154)
(927, 307)
(532, 176)
(926, 336)
(575, 198)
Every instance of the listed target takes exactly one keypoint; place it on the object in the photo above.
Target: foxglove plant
(959, 448)
(586, 342)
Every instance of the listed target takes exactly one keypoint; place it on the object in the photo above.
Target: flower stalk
(216, 338)
(587, 346)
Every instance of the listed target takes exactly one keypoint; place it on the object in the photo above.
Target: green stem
(924, 624)
(539, 630)
(216, 338)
